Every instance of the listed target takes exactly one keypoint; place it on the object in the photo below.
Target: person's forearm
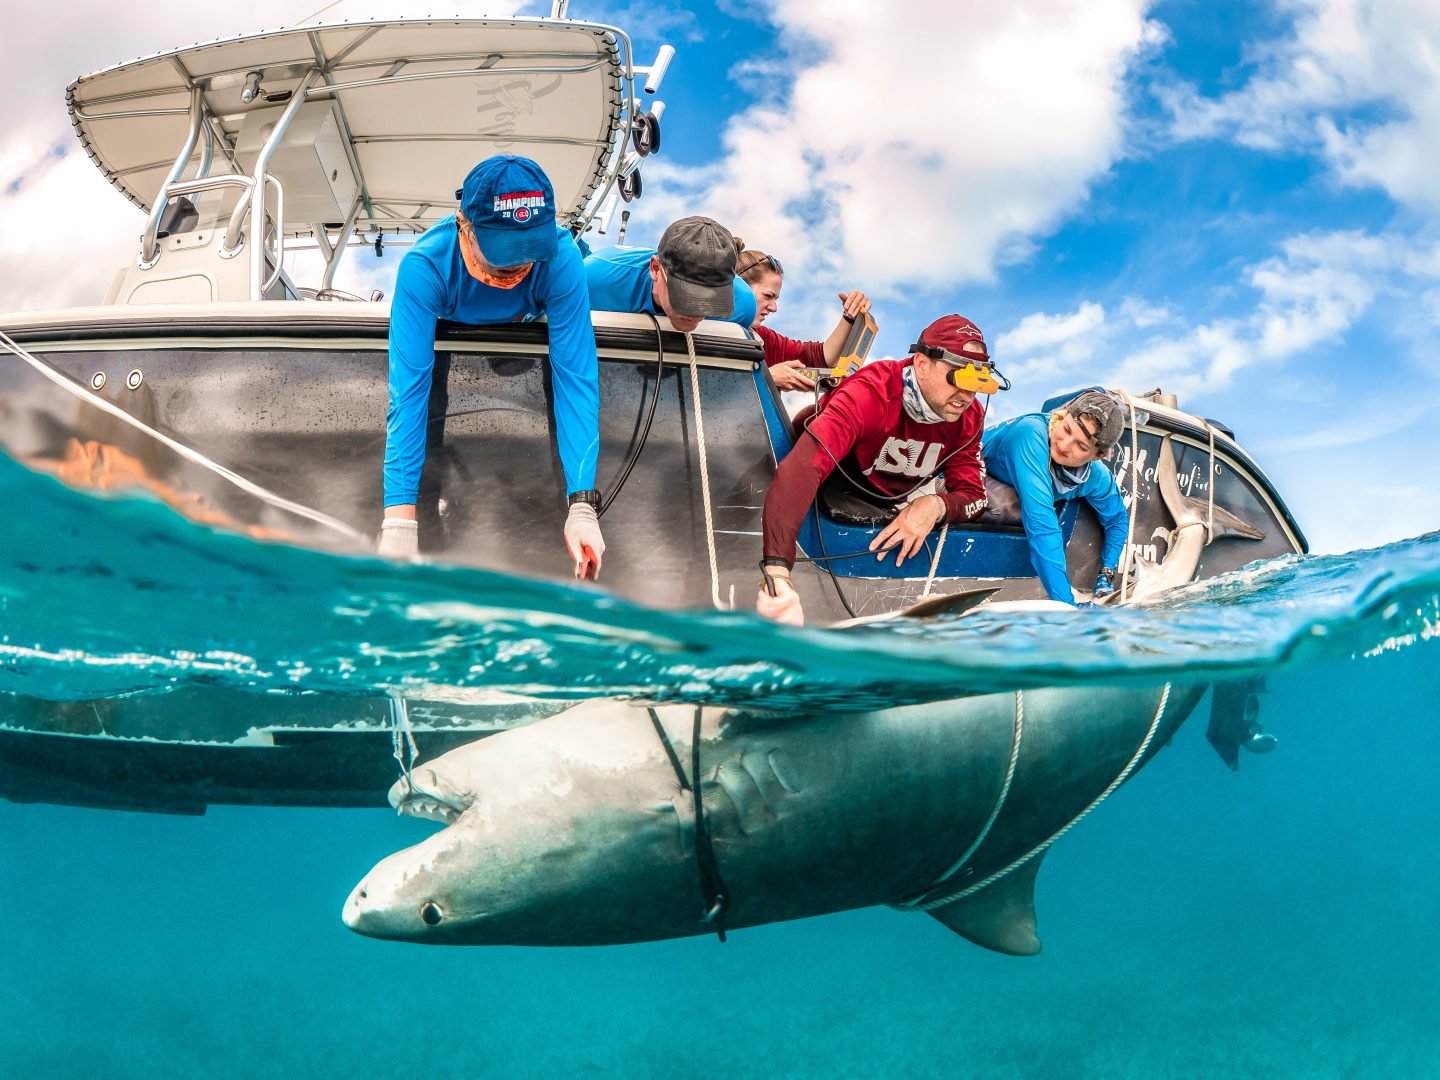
(574, 371)
(836, 341)
(409, 381)
(793, 490)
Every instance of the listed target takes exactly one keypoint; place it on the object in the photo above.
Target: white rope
(935, 562)
(180, 448)
(1127, 556)
(931, 905)
(1210, 501)
(994, 810)
(402, 739)
(704, 475)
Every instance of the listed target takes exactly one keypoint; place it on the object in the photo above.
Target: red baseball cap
(947, 339)
(953, 333)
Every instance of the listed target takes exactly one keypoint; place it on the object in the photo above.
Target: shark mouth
(410, 797)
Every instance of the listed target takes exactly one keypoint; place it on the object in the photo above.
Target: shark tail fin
(1000, 916)
(1190, 511)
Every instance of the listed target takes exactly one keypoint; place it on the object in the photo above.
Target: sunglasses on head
(766, 260)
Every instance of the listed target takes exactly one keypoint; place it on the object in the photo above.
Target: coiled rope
(970, 890)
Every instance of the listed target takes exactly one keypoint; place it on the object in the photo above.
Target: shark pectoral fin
(1000, 916)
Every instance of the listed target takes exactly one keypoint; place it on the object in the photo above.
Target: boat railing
(326, 71)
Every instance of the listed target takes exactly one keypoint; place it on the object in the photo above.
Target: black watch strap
(592, 497)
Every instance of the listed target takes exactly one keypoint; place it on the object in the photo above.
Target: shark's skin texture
(575, 830)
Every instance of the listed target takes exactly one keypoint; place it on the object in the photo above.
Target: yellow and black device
(852, 353)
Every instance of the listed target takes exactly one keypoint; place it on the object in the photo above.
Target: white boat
(213, 377)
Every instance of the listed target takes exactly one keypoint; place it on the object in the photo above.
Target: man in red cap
(890, 428)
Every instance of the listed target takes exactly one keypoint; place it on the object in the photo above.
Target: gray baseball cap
(1108, 412)
(699, 255)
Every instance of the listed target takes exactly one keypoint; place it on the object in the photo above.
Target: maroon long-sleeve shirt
(779, 348)
(865, 427)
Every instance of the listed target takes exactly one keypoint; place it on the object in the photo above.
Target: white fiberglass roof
(420, 102)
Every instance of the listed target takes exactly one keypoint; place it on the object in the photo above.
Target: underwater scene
(1278, 919)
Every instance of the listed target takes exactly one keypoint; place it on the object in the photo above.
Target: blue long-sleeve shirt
(1018, 452)
(620, 281)
(433, 284)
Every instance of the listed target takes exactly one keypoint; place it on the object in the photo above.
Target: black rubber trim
(311, 329)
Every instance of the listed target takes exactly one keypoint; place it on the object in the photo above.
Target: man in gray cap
(690, 277)
(1053, 458)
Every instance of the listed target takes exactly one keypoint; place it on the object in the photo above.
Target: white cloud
(1358, 82)
(1307, 295)
(903, 157)
(67, 231)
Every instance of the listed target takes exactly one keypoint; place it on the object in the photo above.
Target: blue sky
(1233, 201)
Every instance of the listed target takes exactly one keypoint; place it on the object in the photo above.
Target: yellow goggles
(981, 378)
(966, 373)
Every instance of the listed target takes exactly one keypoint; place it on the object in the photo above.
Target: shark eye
(430, 913)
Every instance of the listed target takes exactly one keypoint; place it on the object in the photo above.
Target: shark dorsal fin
(1000, 916)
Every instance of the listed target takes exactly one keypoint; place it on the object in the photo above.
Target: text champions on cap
(520, 203)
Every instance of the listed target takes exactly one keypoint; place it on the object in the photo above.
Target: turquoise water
(1278, 921)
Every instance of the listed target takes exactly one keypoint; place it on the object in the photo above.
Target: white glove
(399, 538)
(583, 540)
(783, 607)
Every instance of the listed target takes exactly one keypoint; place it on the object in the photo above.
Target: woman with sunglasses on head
(1053, 458)
(787, 358)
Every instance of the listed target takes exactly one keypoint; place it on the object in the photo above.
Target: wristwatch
(592, 497)
(1108, 573)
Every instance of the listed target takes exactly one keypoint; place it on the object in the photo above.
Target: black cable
(712, 885)
(669, 750)
(645, 430)
(834, 577)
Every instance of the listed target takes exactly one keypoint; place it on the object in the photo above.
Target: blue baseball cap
(510, 204)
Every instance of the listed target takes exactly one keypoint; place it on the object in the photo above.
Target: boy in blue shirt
(690, 277)
(1055, 458)
(500, 259)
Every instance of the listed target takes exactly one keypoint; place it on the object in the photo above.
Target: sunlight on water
(162, 602)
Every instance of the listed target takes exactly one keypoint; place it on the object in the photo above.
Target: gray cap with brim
(687, 298)
(698, 254)
(1108, 412)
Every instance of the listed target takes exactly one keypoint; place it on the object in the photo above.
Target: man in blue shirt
(500, 259)
(690, 277)
(1055, 458)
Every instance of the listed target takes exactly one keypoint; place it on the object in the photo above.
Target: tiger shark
(582, 828)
